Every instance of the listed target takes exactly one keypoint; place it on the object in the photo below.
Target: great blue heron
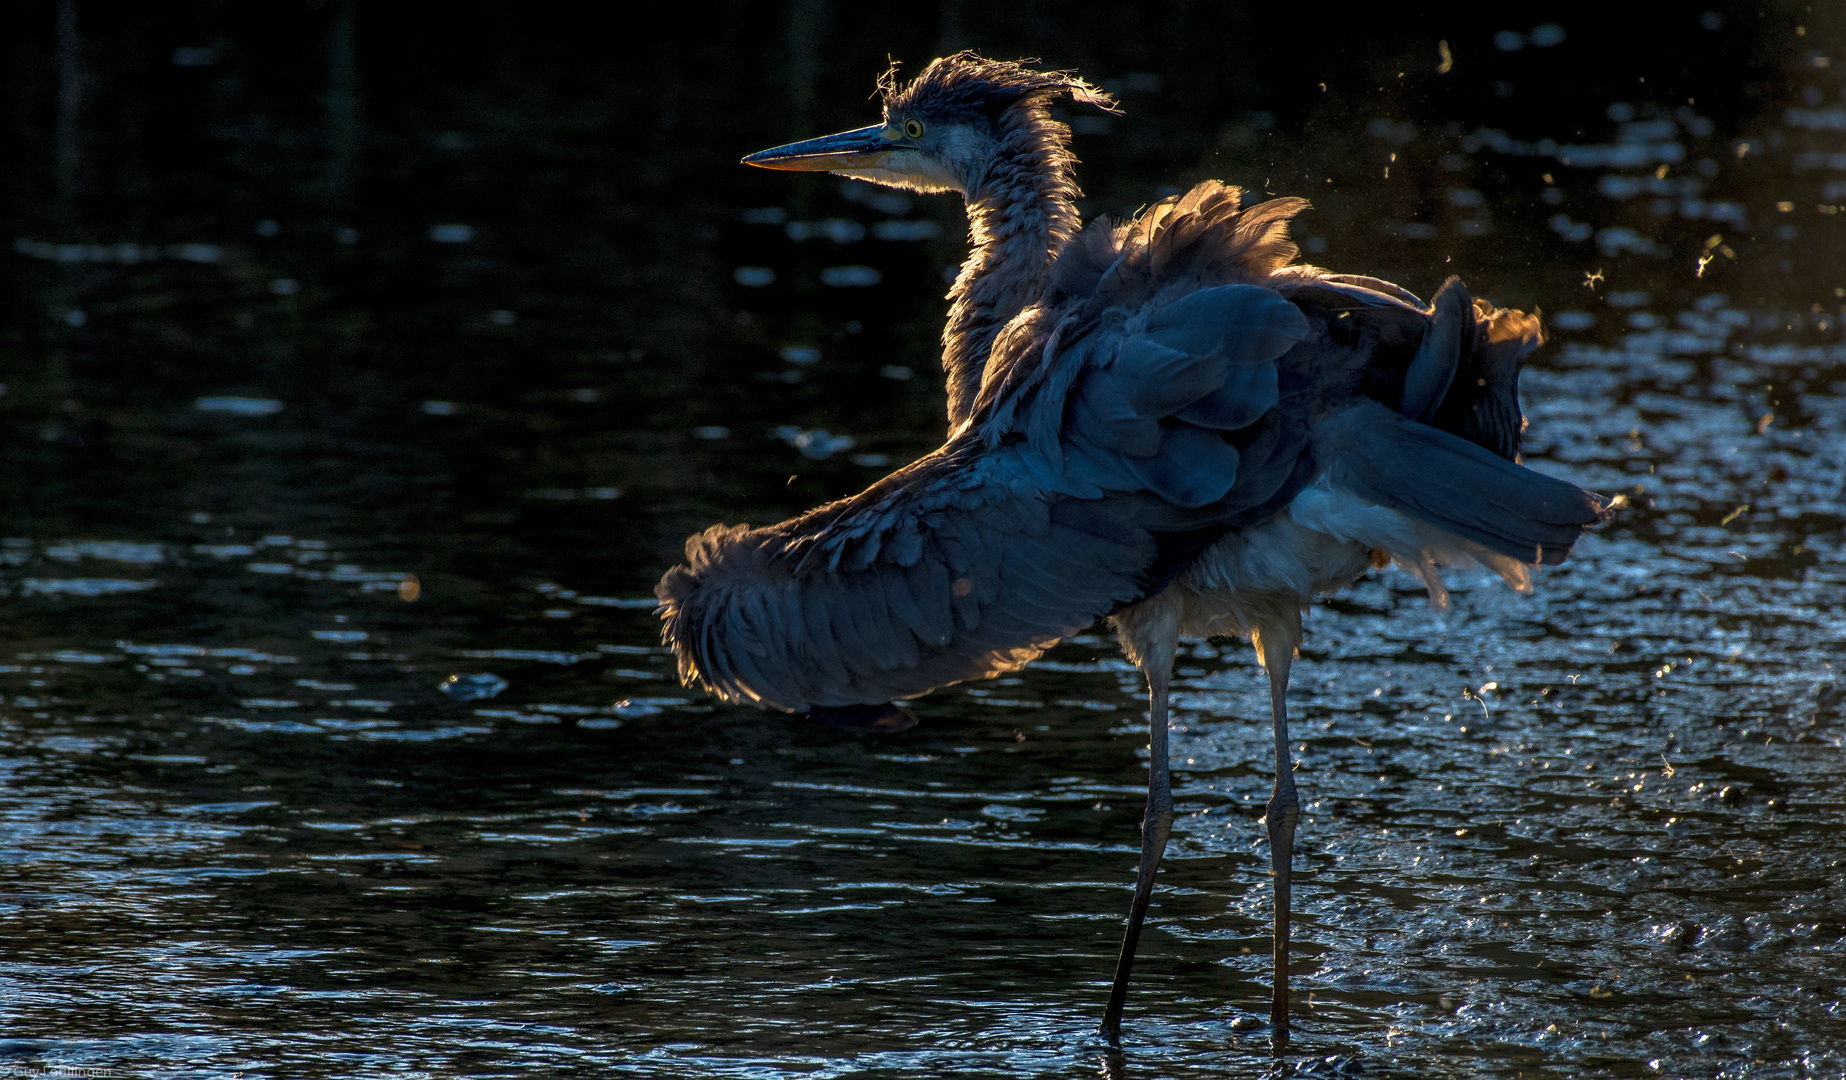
(1164, 421)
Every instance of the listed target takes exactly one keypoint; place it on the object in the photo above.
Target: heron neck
(1021, 214)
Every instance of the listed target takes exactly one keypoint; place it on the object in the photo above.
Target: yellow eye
(913, 128)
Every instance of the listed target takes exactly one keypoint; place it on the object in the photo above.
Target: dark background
(594, 155)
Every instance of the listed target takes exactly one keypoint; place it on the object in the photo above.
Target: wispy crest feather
(970, 85)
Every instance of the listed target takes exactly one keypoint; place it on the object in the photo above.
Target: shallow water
(290, 460)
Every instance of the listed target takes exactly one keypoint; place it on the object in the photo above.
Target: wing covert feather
(1248, 391)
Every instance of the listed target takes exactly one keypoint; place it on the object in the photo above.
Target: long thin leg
(1155, 828)
(1284, 811)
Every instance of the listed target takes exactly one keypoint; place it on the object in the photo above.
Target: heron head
(943, 130)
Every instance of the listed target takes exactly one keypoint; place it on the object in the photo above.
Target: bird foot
(886, 719)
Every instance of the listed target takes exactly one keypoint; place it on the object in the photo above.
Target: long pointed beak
(863, 148)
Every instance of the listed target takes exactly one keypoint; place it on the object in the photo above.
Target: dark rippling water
(351, 349)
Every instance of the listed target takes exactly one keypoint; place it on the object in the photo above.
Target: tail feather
(1455, 485)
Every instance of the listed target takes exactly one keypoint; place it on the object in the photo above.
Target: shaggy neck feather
(1021, 213)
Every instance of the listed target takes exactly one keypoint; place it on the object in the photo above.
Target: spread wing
(961, 569)
(1149, 432)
